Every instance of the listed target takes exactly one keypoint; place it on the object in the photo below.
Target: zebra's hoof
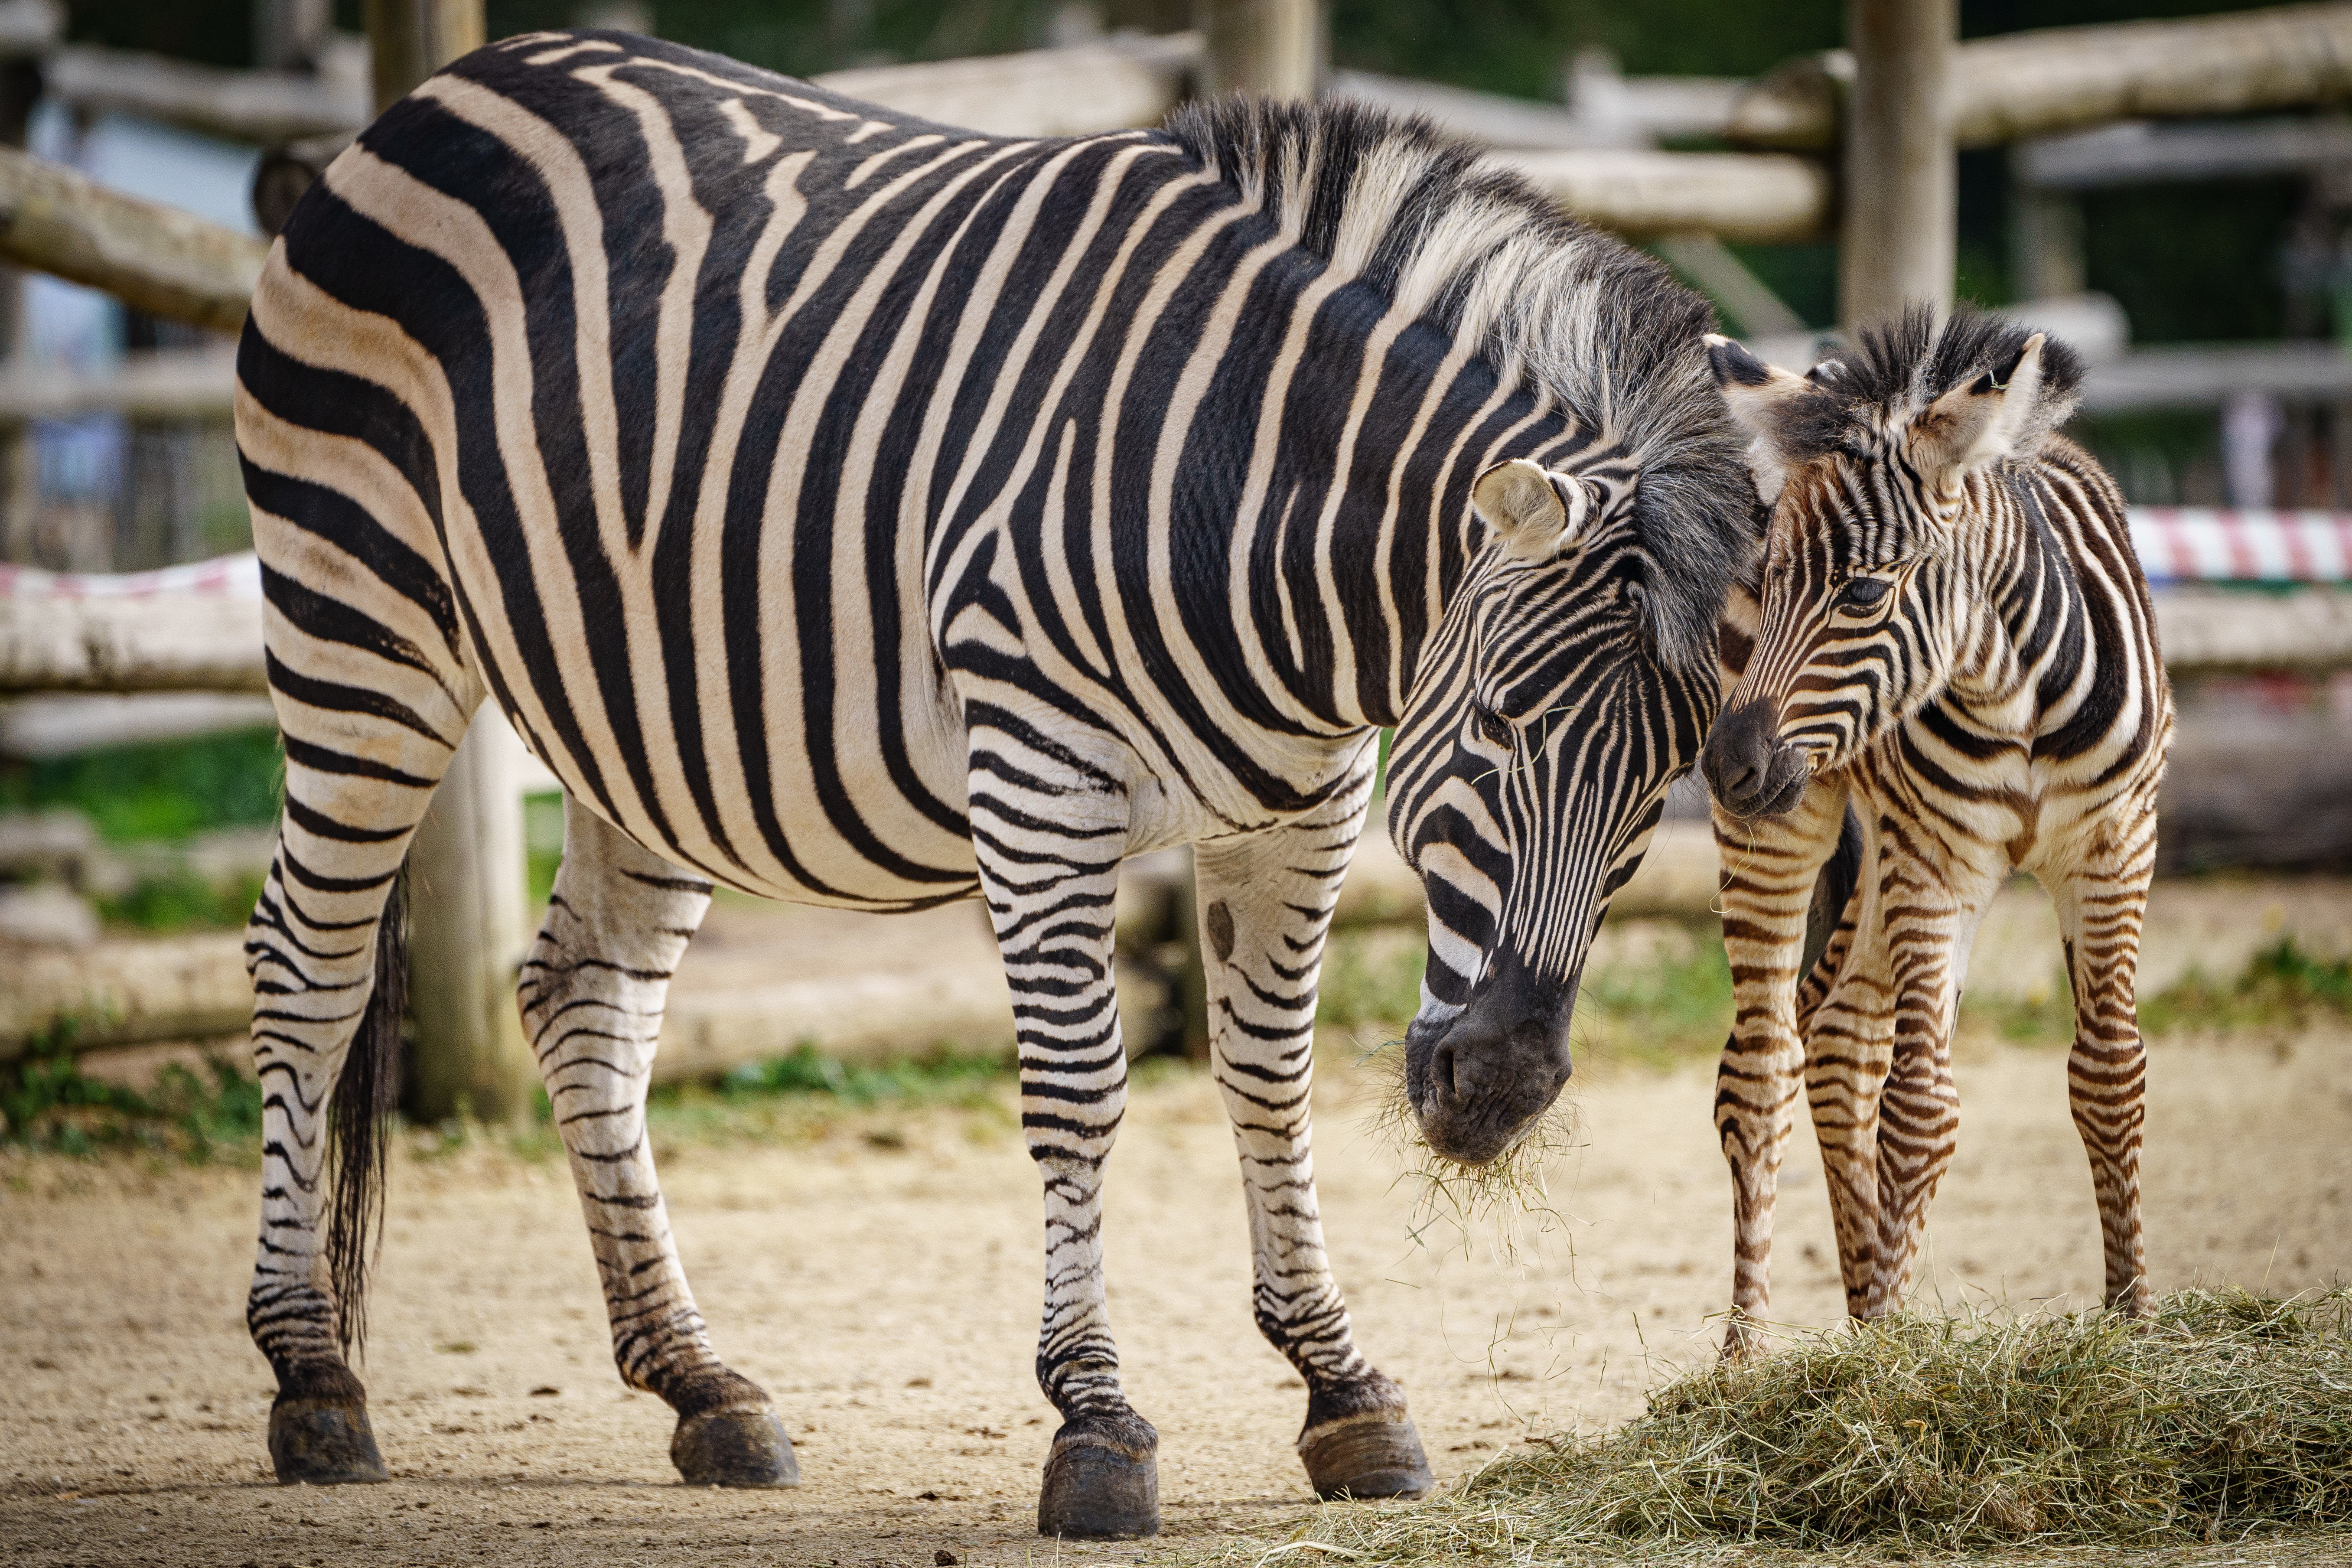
(1102, 1480)
(735, 1445)
(325, 1442)
(1372, 1455)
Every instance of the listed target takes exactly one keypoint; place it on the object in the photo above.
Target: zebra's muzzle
(1478, 1080)
(1750, 769)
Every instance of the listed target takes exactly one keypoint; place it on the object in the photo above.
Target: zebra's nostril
(1441, 1075)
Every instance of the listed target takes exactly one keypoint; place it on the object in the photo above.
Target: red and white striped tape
(222, 577)
(2213, 544)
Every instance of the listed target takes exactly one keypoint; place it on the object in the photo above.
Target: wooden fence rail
(205, 643)
(2064, 79)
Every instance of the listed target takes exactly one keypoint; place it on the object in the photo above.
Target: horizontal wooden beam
(2221, 630)
(259, 107)
(181, 643)
(162, 261)
(1114, 84)
(2053, 79)
(1765, 198)
(157, 383)
(2204, 375)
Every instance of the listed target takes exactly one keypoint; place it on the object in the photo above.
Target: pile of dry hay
(2227, 1413)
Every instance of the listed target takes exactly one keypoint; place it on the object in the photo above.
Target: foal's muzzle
(1751, 770)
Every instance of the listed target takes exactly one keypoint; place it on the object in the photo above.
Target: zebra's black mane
(1899, 367)
(1602, 331)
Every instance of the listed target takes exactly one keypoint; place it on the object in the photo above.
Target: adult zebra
(859, 511)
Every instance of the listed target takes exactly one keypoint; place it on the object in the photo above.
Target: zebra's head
(1874, 469)
(1570, 680)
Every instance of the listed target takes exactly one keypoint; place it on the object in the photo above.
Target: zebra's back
(606, 324)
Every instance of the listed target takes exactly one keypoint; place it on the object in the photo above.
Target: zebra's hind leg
(329, 979)
(2100, 911)
(593, 992)
(1265, 905)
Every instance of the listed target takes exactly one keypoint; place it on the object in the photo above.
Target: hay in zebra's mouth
(2221, 1418)
(1499, 1196)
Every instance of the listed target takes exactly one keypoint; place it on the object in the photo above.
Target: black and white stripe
(1953, 668)
(856, 510)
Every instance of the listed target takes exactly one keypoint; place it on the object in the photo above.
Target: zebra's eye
(1861, 593)
(1494, 728)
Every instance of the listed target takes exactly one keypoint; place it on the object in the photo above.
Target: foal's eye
(1861, 593)
(1494, 728)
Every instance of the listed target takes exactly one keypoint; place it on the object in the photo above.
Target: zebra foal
(1949, 673)
(861, 511)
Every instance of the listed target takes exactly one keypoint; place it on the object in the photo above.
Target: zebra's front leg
(1049, 846)
(592, 991)
(1933, 900)
(1770, 870)
(1265, 905)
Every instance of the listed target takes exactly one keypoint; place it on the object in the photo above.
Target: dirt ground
(882, 1283)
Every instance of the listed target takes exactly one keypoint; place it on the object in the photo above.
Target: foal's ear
(1538, 512)
(1763, 399)
(1982, 422)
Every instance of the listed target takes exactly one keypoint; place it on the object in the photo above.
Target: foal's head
(1878, 470)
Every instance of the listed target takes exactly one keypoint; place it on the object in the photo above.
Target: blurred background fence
(2173, 193)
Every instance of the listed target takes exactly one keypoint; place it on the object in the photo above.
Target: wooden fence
(1906, 94)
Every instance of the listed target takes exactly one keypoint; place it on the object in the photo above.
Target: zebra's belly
(865, 812)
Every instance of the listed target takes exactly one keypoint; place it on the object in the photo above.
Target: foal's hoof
(1375, 1454)
(1102, 1480)
(735, 1445)
(326, 1442)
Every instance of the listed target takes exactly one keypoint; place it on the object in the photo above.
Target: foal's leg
(1049, 829)
(1769, 871)
(592, 994)
(2100, 909)
(1265, 904)
(1848, 1048)
(357, 782)
(1933, 896)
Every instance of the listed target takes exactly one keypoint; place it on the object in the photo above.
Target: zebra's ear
(1536, 512)
(1762, 399)
(1992, 417)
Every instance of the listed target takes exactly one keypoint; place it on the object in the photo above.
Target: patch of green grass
(1372, 975)
(183, 903)
(542, 838)
(2281, 990)
(802, 1095)
(167, 790)
(2222, 1415)
(1661, 1007)
(50, 1104)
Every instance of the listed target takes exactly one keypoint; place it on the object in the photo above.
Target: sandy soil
(881, 1282)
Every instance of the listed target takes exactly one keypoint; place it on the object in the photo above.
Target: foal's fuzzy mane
(1897, 367)
(1600, 330)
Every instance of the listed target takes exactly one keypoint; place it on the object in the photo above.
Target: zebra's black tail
(366, 1096)
(1833, 891)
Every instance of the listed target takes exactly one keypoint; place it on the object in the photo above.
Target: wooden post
(467, 936)
(466, 866)
(2045, 237)
(408, 40)
(1277, 48)
(1901, 190)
